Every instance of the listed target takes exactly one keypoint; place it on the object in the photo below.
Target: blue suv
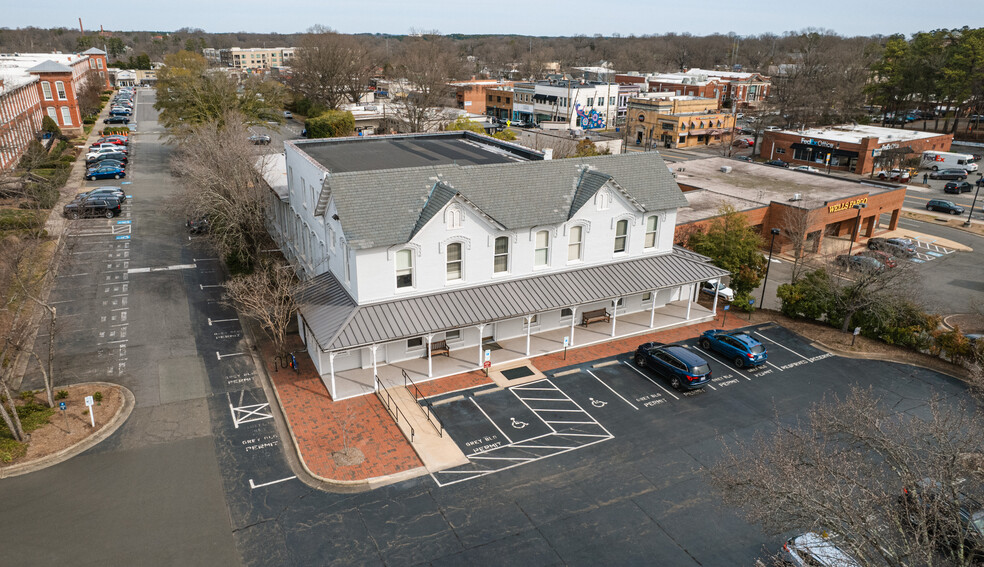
(684, 369)
(740, 348)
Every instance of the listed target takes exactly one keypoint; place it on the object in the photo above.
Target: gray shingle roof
(337, 322)
(50, 67)
(381, 208)
(589, 184)
(440, 195)
(93, 51)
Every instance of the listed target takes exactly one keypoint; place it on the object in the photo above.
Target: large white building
(459, 239)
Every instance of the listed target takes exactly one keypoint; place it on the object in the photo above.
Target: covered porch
(359, 381)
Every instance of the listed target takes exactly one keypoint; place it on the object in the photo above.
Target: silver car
(815, 550)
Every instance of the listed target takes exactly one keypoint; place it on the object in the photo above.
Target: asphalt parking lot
(649, 444)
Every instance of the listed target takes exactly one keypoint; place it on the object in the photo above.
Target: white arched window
(454, 262)
(454, 218)
(500, 263)
(604, 200)
(621, 235)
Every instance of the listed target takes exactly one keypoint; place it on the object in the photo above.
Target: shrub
(104, 98)
(98, 396)
(90, 119)
(332, 124)
(61, 395)
(27, 395)
(10, 449)
(19, 219)
(743, 302)
(507, 135)
(49, 125)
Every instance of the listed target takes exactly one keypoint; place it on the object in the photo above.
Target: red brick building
(848, 148)
(471, 95)
(798, 203)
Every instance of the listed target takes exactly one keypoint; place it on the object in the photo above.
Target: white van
(947, 160)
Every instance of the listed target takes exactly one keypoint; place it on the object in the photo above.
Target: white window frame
(460, 261)
(407, 271)
(496, 255)
(545, 249)
(652, 233)
(577, 245)
(46, 90)
(60, 90)
(624, 237)
(66, 116)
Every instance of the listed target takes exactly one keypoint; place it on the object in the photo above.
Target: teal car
(738, 347)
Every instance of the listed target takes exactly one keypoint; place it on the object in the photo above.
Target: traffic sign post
(857, 331)
(63, 406)
(89, 403)
(724, 322)
(567, 342)
(486, 365)
(751, 302)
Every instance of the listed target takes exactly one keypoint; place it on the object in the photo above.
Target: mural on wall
(589, 120)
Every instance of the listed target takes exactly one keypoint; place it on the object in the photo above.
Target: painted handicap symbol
(598, 403)
(517, 424)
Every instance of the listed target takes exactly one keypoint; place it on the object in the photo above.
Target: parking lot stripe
(774, 366)
(783, 346)
(613, 391)
(573, 422)
(651, 380)
(490, 420)
(708, 353)
(505, 458)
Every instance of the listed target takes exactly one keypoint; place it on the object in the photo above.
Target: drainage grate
(520, 372)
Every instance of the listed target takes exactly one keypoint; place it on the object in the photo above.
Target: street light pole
(775, 231)
(857, 226)
(980, 181)
(830, 156)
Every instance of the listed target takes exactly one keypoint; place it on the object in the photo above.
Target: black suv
(108, 207)
(103, 193)
(684, 369)
(958, 187)
(777, 163)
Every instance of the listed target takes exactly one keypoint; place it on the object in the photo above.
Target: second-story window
(404, 269)
(501, 255)
(621, 235)
(453, 252)
(541, 254)
(651, 232)
(574, 244)
(60, 89)
(46, 90)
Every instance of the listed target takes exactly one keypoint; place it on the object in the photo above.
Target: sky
(531, 17)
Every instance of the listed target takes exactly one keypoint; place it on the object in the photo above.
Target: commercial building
(747, 89)
(456, 243)
(806, 206)
(676, 121)
(499, 102)
(472, 95)
(578, 104)
(855, 148)
(56, 79)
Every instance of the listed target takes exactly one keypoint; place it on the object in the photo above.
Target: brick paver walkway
(321, 425)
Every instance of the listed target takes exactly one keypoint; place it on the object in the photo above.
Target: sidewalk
(321, 427)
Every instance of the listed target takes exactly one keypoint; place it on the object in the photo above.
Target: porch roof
(337, 322)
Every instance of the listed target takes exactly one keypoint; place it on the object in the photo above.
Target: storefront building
(854, 148)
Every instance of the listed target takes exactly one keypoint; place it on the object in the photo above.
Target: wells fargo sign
(846, 205)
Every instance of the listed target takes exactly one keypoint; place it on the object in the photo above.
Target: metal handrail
(391, 406)
(428, 410)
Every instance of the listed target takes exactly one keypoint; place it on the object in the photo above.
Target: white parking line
(490, 420)
(708, 353)
(783, 346)
(255, 486)
(613, 391)
(773, 365)
(651, 380)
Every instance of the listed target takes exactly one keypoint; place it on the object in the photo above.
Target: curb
(878, 356)
(129, 402)
(314, 480)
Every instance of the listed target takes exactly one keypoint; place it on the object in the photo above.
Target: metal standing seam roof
(516, 195)
(337, 322)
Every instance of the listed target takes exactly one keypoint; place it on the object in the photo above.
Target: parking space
(577, 407)
(927, 251)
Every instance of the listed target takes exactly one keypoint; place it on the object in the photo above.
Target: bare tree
(888, 483)
(852, 291)
(796, 224)
(331, 68)
(269, 297)
(428, 63)
(218, 170)
(88, 96)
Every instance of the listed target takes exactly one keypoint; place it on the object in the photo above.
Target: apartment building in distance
(256, 58)
(747, 89)
(55, 79)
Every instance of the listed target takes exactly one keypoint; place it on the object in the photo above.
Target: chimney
(547, 153)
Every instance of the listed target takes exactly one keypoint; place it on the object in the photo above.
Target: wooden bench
(439, 347)
(596, 315)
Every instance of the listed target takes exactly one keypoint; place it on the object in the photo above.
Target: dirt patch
(956, 221)
(348, 457)
(72, 426)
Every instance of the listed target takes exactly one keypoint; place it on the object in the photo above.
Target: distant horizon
(846, 18)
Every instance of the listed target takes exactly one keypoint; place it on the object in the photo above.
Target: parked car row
(686, 370)
(107, 158)
(100, 202)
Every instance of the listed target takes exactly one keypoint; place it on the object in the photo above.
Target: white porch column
(614, 315)
(529, 323)
(481, 353)
(714, 309)
(690, 298)
(652, 311)
(430, 367)
(375, 383)
(331, 363)
(573, 317)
